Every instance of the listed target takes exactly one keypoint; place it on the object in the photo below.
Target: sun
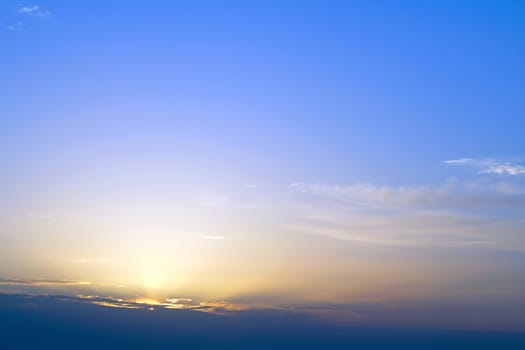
(153, 279)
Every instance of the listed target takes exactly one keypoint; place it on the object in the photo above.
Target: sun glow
(147, 301)
(153, 279)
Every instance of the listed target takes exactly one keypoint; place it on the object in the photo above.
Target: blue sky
(379, 140)
(336, 93)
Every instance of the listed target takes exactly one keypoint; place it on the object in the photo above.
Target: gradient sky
(334, 155)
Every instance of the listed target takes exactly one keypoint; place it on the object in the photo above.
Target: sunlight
(152, 279)
(147, 301)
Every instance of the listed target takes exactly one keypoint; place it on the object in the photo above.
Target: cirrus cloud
(451, 215)
(490, 166)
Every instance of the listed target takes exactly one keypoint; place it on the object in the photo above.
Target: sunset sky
(363, 161)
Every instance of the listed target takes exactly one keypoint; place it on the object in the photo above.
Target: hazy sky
(270, 153)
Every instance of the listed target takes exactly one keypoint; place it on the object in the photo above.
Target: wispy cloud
(27, 11)
(16, 27)
(454, 215)
(460, 161)
(40, 282)
(34, 11)
(463, 195)
(490, 166)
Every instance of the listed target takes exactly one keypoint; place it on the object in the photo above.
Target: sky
(359, 161)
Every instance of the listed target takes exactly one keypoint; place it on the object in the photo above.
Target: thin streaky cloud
(459, 161)
(40, 282)
(490, 166)
(465, 196)
(448, 215)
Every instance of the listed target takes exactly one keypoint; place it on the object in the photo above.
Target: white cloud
(459, 161)
(28, 9)
(504, 169)
(34, 11)
(490, 166)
